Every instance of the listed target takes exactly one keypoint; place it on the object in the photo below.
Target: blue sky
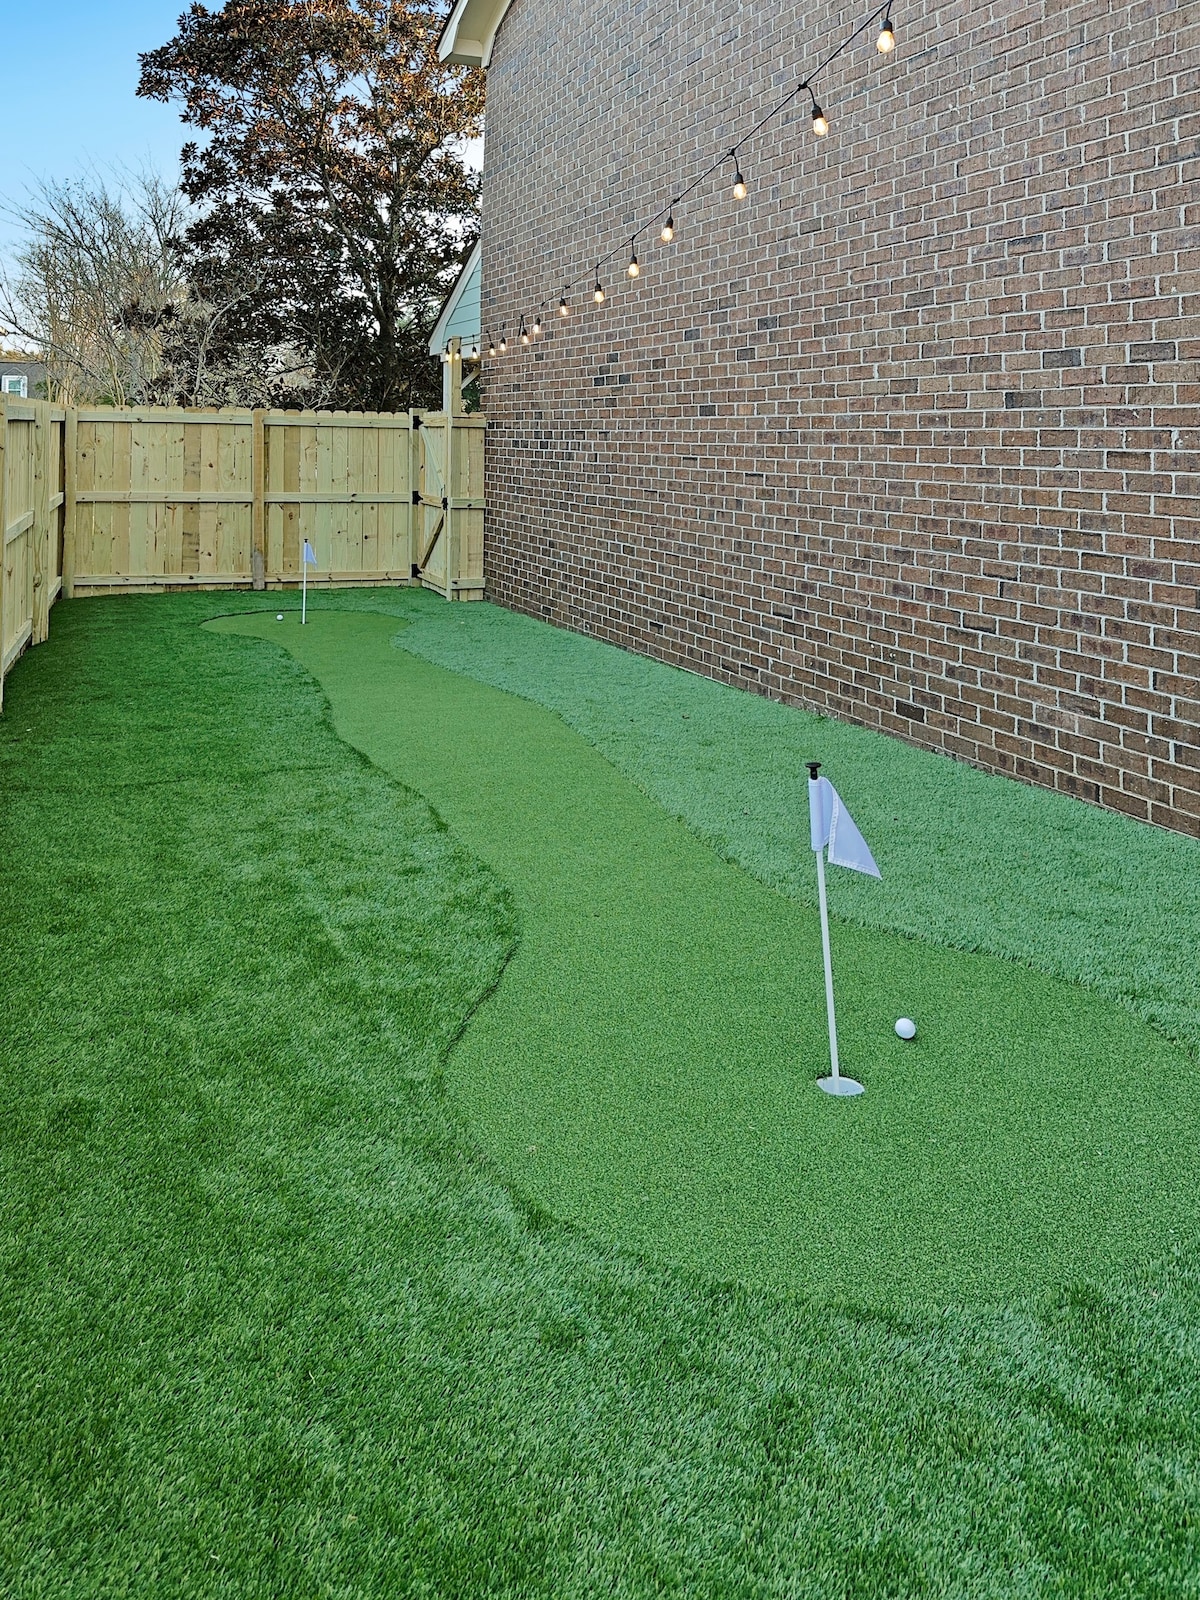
(69, 100)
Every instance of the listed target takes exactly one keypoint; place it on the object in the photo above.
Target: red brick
(913, 426)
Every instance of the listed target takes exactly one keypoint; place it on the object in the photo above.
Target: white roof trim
(470, 32)
(437, 339)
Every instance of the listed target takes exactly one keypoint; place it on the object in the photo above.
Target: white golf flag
(310, 555)
(831, 824)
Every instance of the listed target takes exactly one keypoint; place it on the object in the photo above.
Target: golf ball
(279, 616)
(906, 1028)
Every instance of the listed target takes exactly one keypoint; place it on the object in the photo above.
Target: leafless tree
(95, 278)
(103, 292)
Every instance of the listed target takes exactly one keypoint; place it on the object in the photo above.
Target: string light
(491, 344)
(820, 123)
(474, 352)
(885, 43)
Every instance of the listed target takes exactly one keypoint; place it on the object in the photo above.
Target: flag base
(840, 1086)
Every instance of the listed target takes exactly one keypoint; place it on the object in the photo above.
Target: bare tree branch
(95, 274)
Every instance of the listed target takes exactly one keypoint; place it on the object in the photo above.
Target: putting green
(647, 1065)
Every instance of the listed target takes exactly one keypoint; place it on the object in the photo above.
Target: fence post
(70, 478)
(451, 534)
(416, 516)
(41, 532)
(3, 533)
(452, 378)
(258, 507)
(58, 488)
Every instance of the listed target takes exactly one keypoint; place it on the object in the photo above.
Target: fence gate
(448, 502)
(341, 480)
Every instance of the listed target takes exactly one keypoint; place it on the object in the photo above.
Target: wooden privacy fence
(163, 499)
(31, 519)
(104, 501)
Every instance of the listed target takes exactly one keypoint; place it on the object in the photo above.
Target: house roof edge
(437, 339)
(470, 32)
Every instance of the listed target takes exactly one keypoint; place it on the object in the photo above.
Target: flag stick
(834, 1083)
(303, 587)
(835, 1075)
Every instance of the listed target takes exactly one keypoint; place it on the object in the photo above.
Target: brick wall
(909, 435)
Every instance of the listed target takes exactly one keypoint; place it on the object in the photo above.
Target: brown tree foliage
(330, 176)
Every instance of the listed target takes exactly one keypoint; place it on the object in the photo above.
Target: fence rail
(102, 500)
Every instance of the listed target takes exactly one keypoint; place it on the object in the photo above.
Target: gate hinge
(416, 497)
(445, 504)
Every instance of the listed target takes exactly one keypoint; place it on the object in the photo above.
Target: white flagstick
(308, 557)
(835, 1083)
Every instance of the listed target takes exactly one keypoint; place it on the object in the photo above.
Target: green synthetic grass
(970, 860)
(272, 1328)
(647, 1067)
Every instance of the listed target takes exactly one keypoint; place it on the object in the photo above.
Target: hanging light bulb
(633, 269)
(598, 291)
(739, 183)
(820, 121)
(503, 342)
(524, 332)
(537, 323)
(886, 41)
(563, 307)
(474, 352)
(668, 230)
(491, 344)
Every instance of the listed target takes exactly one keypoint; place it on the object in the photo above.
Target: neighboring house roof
(470, 31)
(14, 364)
(460, 318)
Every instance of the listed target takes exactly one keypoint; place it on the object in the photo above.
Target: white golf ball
(279, 616)
(906, 1028)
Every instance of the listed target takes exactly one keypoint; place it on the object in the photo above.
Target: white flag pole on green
(832, 831)
(310, 560)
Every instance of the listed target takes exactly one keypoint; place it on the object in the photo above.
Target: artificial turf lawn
(272, 1328)
(647, 1065)
(970, 860)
